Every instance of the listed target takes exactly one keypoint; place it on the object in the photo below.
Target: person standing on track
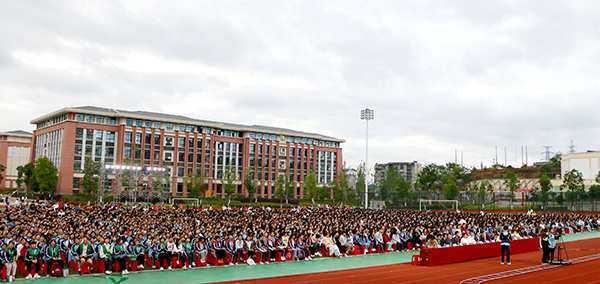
(505, 245)
(545, 247)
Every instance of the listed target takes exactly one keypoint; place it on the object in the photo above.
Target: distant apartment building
(409, 170)
(15, 148)
(182, 145)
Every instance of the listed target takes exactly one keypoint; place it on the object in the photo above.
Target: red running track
(586, 272)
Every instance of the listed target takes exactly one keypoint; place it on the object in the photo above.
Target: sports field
(383, 268)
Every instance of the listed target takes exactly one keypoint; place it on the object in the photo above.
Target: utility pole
(572, 147)
(547, 153)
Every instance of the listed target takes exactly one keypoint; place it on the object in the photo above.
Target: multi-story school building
(182, 145)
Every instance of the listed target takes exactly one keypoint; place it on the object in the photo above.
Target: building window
(207, 130)
(180, 171)
(157, 140)
(110, 136)
(220, 132)
(273, 137)
(191, 143)
(148, 123)
(98, 151)
(181, 142)
(139, 122)
(79, 117)
(220, 146)
(259, 135)
(281, 151)
(127, 137)
(75, 184)
(227, 147)
(78, 150)
(129, 122)
(157, 124)
(168, 141)
(181, 157)
(138, 138)
(169, 126)
(228, 133)
(266, 136)
(191, 128)
(292, 151)
(127, 152)
(79, 133)
(260, 149)
(182, 128)
(292, 139)
(111, 120)
(199, 144)
(252, 135)
(148, 138)
(147, 154)
(168, 157)
(252, 147)
(99, 135)
(100, 119)
(77, 166)
(110, 152)
(180, 188)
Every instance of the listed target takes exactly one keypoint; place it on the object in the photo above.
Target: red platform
(445, 255)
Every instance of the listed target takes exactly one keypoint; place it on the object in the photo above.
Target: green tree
(342, 192)
(553, 166)
(594, 190)
(46, 175)
(310, 188)
(429, 179)
(228, 183)
(128, 178)
(2, 169)
(250, 183)
(512, 183)
(194, 182)
(360, 181)
(573, 182)
(91, 170)
(545, 186)
(485, 186)
(26, 175)
(451, 190)
(391, 180)
(284, 187)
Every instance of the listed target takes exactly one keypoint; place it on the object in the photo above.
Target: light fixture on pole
(367, 114)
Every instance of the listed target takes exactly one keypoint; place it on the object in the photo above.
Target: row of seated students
(112, 238)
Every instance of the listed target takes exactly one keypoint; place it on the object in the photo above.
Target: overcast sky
(440, 75)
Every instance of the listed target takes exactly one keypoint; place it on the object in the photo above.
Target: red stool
(148, 261)
(4, 273)
(133, 266)
(416, 259)
(101, 268)
(175, 262)
(54, 268)
(86, 269)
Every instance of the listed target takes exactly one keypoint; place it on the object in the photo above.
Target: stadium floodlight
(367, 114)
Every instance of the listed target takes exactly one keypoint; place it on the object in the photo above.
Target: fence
(552, 201)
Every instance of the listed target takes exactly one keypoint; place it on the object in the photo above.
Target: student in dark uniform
(545, 247)
(505, 237)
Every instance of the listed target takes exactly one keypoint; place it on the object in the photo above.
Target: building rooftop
(180, 119)
(17, 133)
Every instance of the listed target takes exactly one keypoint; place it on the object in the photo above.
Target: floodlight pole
(367, 114)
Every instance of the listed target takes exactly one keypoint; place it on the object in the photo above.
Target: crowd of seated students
(135, 237)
